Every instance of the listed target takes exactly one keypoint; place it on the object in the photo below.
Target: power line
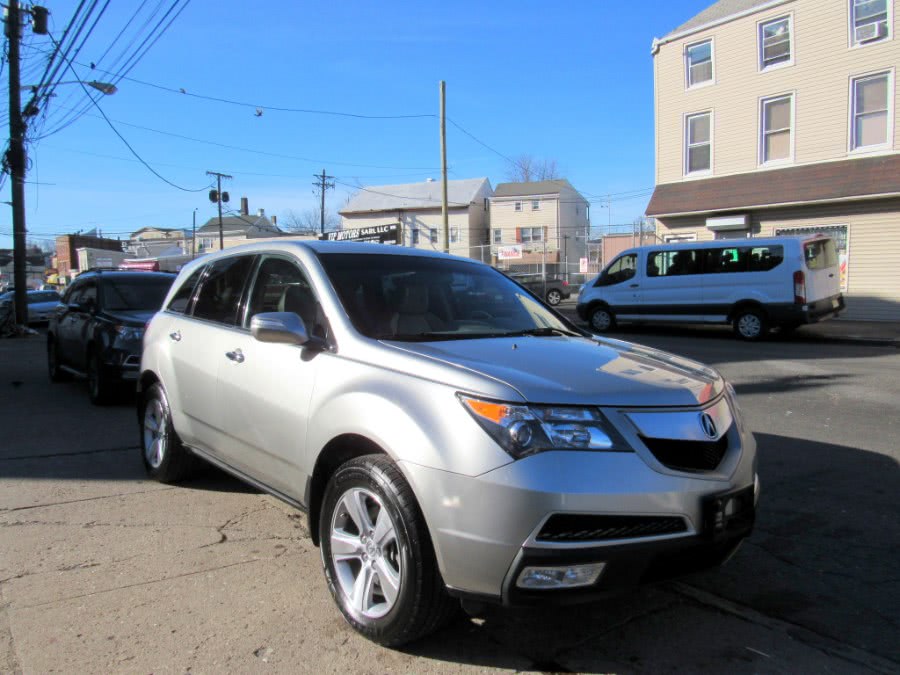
(127, 144)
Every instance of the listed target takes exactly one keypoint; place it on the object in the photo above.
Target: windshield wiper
(541, 332)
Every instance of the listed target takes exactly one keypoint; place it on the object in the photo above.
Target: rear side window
(742, 259)
(673, 263)
(220, 291)
(182, 297)
(820, 254)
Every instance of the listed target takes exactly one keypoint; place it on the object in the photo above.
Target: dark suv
(97, 331)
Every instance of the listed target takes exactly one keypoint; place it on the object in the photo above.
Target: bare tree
(526, 168)
(308, 221)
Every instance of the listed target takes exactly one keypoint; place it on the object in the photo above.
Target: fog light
(565, 576)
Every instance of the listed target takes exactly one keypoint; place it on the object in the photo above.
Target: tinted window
(179, 302)
(673, 263)
(820, 254)
(43, 296)
(417, 298)
(619, 270)
(281, 286)
(220, 291)
(138, 292)
(742, 259)
(764, 258)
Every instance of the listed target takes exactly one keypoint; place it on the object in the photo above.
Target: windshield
(139, 294)
(398, 297)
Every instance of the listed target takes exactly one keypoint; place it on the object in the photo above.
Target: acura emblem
(708, 425)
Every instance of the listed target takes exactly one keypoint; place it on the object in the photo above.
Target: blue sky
(569, 81)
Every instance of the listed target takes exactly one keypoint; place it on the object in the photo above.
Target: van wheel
(377, 554)
(601, 320)
(750, 324)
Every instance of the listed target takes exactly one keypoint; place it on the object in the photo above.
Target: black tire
(53, 369)
(554, 297)
(100, 389)
(168, 461)
(601, 319)
(420, 603)
(750, 324)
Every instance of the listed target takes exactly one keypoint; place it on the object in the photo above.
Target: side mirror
(283, 328)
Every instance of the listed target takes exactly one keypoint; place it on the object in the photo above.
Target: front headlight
(523, 430)
(129, 332)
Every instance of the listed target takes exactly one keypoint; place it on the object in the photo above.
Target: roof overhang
(673, 37)
(823, 183)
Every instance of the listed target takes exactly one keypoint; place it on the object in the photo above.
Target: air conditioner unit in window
(869, 31)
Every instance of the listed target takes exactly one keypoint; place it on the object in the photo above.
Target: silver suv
(449, 436)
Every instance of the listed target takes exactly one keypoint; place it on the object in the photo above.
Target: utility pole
(15, 160)
(444, 214)
(323, 183)
(217, 196)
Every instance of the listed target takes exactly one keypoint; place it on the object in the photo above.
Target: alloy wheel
(365, 552)
(155, 433)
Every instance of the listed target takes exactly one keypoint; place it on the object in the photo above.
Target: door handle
(176, 336)
(633, 285)
(237, 356)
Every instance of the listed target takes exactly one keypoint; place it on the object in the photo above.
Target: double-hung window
(869, 21)
(454, 235)
(775, 43)
(498, 235)
(871, 111)
(531, 234)
(698, 143)
(699, 63)
(776, 129)
(518, 206)
(535, 204)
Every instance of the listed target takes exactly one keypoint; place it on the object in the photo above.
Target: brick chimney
(261, 213)
(245, 207)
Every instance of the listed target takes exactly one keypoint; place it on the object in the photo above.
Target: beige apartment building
(541, 222)
(410, 215)
(776, 117)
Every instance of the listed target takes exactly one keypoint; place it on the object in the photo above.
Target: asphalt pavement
(103, 571)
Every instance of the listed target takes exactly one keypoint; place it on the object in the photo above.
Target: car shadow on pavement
(819, 569)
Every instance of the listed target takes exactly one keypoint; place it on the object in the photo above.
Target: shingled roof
(822, 182)
(718, 11)
(427, 195)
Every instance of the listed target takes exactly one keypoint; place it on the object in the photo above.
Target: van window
(764, 258)
(621, 269)
(742, 259)
(820, 254)
(673, 263)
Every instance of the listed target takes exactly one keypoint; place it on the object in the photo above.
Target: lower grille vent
(565, 527)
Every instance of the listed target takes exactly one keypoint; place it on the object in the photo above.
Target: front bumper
(484, 528)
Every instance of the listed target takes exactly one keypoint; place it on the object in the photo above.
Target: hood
(579, 371)
(135, 317)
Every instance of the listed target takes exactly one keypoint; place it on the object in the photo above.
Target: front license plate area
(729, 514)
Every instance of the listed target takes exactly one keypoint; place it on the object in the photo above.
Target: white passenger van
(753, 284)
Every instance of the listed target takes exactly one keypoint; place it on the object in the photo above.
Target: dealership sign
(379, 234)
(509, 252)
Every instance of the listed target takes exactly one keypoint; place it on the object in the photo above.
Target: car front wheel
(554, 297)
(99, 386)
(377, 554)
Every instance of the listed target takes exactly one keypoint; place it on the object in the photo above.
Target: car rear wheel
(554, 297)
(165, 458)
(377, 554)
(55, 372)
(601, 319)
(750, 324)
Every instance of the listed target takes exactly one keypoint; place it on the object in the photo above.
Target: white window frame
(531, 230)
(763, 68)
(455, 235)
(517, 206)
(497, 236)
(685, 148)
(687, 64)
(414, 236)
(851, 26)
(535, 204)
(851, 130)
(762, 130)
(433, 234)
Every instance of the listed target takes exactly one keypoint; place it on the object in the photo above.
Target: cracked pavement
(104, 571)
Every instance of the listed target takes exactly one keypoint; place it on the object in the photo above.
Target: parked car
(41, 304)
(753, 284)
(96, 332)
(449, 437)
(551, 289)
